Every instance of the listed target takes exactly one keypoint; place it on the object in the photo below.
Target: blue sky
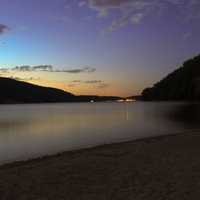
(130, 44)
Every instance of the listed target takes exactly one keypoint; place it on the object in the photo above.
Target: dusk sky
(103, 47)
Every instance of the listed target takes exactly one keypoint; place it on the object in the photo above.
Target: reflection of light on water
(127, 114)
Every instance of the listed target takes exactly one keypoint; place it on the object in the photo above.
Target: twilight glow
(103, 47)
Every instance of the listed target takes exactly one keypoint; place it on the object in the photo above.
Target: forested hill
(182, 84)
(14, 91)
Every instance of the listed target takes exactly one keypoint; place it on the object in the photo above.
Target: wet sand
(152, 169)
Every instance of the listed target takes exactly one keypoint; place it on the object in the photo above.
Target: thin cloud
(99, 84)
(3, 44)
(108, 4)
(88, 81)
(131, 11)
(33, 68)
(103, 85)
(3, 28)
(93, 82)
(82, 3)
(76, 81)
(82, 70)
(24, 79)
(135, 11)
(47, 68)
(136, 19)
(4, 70)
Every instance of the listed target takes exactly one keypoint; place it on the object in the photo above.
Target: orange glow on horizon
(82, 89)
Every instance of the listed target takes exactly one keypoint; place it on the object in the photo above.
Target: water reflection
(28, 131)
(186, 115)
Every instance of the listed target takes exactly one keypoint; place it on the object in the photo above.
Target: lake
(32, 130)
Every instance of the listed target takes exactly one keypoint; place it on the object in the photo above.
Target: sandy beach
(157, 168)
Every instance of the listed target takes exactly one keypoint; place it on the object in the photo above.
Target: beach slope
(157, 168)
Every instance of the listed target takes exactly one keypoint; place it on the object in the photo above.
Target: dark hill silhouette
(14, 91)
(182, 84)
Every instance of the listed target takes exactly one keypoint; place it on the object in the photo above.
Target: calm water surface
(28, 131)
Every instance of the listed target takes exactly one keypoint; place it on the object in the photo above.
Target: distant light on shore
(130, 100)
(120, 100)
(126, 100)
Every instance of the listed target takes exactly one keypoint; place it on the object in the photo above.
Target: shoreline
(166, 167)
(62, 153)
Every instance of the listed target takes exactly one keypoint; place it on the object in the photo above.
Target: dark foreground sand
(151, 169)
